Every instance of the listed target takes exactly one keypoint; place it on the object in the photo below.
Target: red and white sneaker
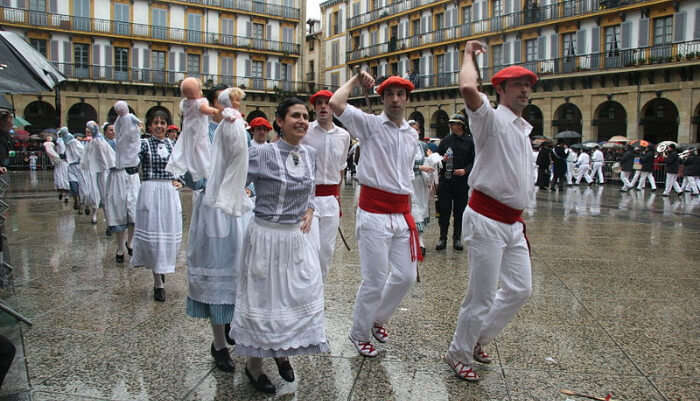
(480, 355)
(462, 370)
(364, 348)
(380, 333)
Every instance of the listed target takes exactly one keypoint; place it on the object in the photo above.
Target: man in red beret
(172, 132)
(331, 144)
(386, 232)
(501, 182)
(259, 127)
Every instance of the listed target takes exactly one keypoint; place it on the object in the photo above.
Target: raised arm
(340, 97)
(469, 76)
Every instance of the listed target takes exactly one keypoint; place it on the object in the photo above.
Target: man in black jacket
(457, 150)
(647, 161)
(559, 156)
(627, 165)
(672, 164)
(691, 171)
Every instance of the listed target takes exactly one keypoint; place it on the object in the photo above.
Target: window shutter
(455, 16)
(516, 52)
(248, 29)
(53, 6)
(476, 15)
(54, 51)
(109, 52)
(455, 60)
(205, 64)
(516, 6)
(509, 6)
(67, 57)
(484, 10)
(595, 40)
(146, 55)
(278, 75)
(329, 21)
(542, 48)
(506, 53)
(696, 33)
(485, 59)
(247, 68)
(135, 58)
(96, 61)
(626, 35)
(340, 20)
(269, 32)
(182, 62)
(581, 42)
(679, 26)
(269, 69)
(554, 45)
(422, 25)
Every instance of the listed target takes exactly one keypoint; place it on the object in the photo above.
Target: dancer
(60, 168)
(330, 143)
(501, 183)
(647, 174)
(672, 163)
(97, 159)
(423, 183)
(74, 150)
(279, 302)
(583, 164)
(571, 158)
(597, 161)
(214, 249)
(123, 182)
(191, 153)
(385, 230)
(158, 222)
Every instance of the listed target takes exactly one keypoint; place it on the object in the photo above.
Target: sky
(312, 9)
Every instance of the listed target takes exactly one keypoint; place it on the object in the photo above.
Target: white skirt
(279, 304)
(122, 194)
(60, 176)
(158, 226)
(214, 253)
(89, 190)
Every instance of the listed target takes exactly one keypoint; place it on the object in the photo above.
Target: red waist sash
(493, 209)
(375, 200)
(330, 190)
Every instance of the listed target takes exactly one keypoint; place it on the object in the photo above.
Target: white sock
(219, 336)
(157, 281)
(254, 366)
(420, 240)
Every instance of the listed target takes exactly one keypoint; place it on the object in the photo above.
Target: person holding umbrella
(647, 161)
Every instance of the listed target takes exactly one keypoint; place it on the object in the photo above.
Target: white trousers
(625, 177)
(570, 167)
(387, 270)
(583, 173)
(644, 177)
(597, 170)
(497, 252)
(691, 183)
(672, 183)
(327, 218)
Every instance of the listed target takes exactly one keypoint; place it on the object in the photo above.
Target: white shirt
(254, 144)
(331, 151)
(597, 156)
(583, 159)
(387, 150)
(503, 166)
(571, 156)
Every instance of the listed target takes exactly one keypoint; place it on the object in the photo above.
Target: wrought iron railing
(259, 7)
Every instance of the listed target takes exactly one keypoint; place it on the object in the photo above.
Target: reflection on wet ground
(615, 309)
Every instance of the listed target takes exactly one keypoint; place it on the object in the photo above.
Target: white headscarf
(127, 137)
(98, 156)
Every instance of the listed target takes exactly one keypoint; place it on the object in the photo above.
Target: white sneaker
(380, 333)
(364, 348)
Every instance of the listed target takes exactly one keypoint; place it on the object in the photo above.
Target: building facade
(139, 51)
(606, 67)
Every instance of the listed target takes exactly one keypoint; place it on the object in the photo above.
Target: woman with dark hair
(279, 302)
(158, 228)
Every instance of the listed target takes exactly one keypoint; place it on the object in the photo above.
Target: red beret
(321, 93)
(260, 122)
(394, 80)
(173, 127)
(514, 71)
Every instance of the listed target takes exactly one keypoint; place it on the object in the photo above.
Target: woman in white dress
(60, 168)
(73, 153)
(279, 302)
(423, 178)
(158, 226)
(97, 159)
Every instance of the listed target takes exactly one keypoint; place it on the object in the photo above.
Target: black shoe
(129, 250)
(77, 207)
(162, 277)
(442, 244)
(222, 359)
(285, 369)
(227, 329)
(108, 232)
(120, 258)
(159, 294)
(262, 384)
(458, 245)
(60, 196)
(422, 250)
(65, 200)
(87, 210)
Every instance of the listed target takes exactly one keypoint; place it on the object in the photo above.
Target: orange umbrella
(640, 142)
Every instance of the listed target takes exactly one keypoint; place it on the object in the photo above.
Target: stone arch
(533, 115)
(112, 115)
(42, 115)
(695, 130)
(610, 118)
(439, 123)
(660, 120)
(78, 115)
(418, 117)
(567, 117)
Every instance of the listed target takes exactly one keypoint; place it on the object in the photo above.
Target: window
(258, 31)
(311, 66)
(335, 53)
(81, 12)
(286, 76)
(193, 64)
(663, 30)
(569, 41)
(335, 80)
(415, 24)
(227, 70)
(288, 40)
(256, 71)
(194, 28)
(356, 42)
(531, 50)
(497, 51)
(466, 15)
(355, 9)
(158, 65)
(38, 17)
(612, 40)
(336, 22)
(394, 68)
(121, 63)
(121, 18)
(39, 45)
(160, 27)
(81, 59)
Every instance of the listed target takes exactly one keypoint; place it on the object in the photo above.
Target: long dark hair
(282, 110)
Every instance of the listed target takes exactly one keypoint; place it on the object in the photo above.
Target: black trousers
(7, 354)
(452, 199)
(558, 179)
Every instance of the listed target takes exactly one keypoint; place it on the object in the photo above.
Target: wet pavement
(614, 309)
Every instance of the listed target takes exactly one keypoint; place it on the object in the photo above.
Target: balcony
(518, 19)
(16, 16)
(389, 9)
(257, 7)
(597, 62)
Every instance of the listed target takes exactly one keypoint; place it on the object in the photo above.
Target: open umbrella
(640, 142)
(618, 138)
(567, 135)
(24, 69)
(20, 122)
(589, 144)
(662, 146)
(540, 141)
(576, 146)
(612, 145)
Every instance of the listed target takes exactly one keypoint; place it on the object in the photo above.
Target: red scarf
(493, 209)
(375, 200)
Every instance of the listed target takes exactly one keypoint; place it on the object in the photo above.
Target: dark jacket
(627, 162)
(462, 152)
(559, 159)
(692, 166)
(4, 148)
(672, 162)
(544, 158)
(647, 161)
